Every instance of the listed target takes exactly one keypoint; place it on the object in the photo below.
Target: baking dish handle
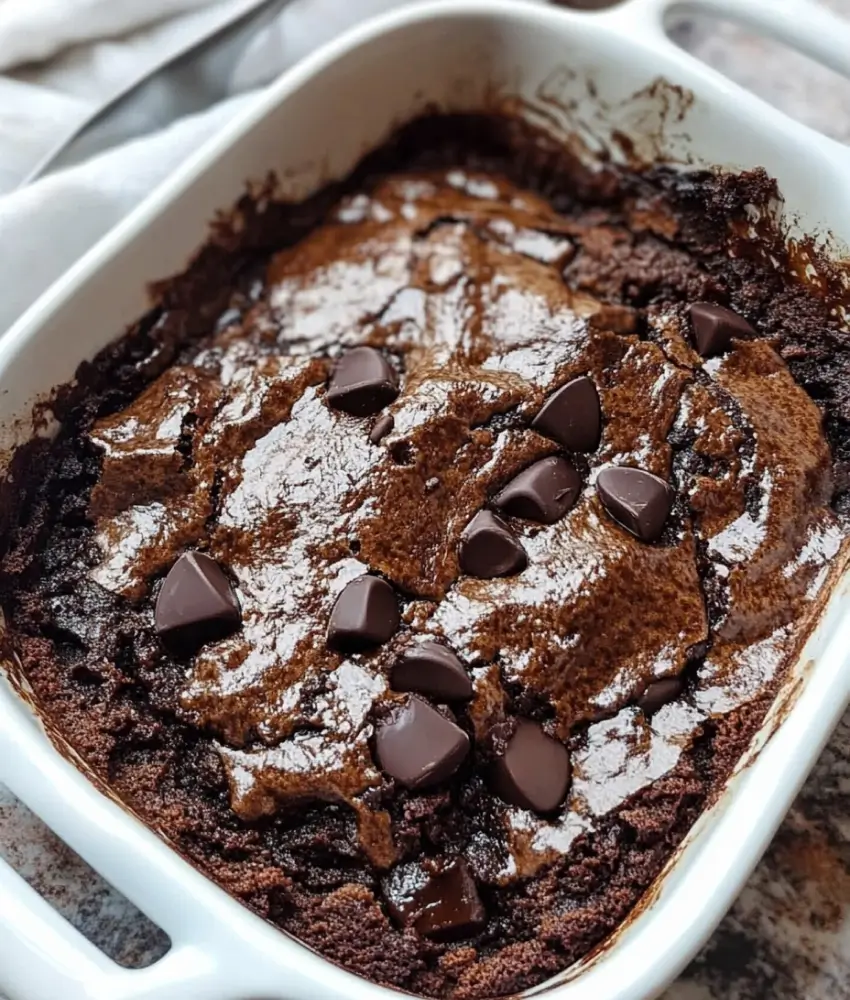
(42, 957)
(803, 25)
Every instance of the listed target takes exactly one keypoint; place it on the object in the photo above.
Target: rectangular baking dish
(314, 124)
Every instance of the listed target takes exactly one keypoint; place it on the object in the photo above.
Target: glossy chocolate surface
(279, 756)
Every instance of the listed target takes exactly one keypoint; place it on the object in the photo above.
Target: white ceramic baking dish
(315, 122)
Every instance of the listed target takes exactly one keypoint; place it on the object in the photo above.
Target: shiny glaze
(458, 277)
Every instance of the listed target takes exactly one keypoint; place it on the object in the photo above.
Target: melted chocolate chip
(196, 604)
(659, 693)
(448, 905)
(572, 416)
(714, 327)
(489, 548)
(382, 426)
(534, 771)
(365, 614)
(431, 669)
(419, 747)
(362, 383)
(544, 492)
(636, 499)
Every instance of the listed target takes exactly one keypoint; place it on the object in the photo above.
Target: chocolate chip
(442, 903)
(382, 426)
(544, 492)
(489, 548)
(659, 693)
(714, 327)
(534, 771)
(196, 604)
(636, 499)
(572, 416)
(431, 669)
(419, 747)
(449, 907)
(365, 614)
(362, 382)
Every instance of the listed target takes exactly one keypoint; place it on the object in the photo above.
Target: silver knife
(190, 81)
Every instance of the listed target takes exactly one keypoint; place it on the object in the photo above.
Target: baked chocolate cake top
(523, 511)
(478, 512)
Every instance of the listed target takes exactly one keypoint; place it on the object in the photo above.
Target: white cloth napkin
(95, 48)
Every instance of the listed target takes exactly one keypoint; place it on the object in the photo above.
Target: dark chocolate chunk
(659, 693)
(534, 771)
(419, 747)
(196, 604)
(572, 416)
(449, 907)
(714, 327)
(363, 382)
(636, 499)
(544, 492)
(431, 669)
(489, 548)
(382, 426)
(365, 614)
(442, 903)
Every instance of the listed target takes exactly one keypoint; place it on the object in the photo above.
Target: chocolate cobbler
(423, 562)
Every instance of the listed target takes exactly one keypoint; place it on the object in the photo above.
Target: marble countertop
(788, 935)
